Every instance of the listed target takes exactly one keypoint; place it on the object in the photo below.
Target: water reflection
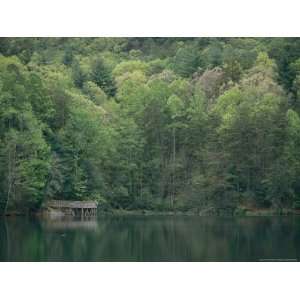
(148, 238)
(69, 224)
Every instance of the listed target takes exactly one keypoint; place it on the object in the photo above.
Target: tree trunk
(173, 169)
(11, 171)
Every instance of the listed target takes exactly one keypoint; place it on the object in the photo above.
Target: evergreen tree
(101, 75)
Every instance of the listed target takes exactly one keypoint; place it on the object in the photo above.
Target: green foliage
(101, 75)
(24, 153)
(130, 66)
(68, 57)
(150, 123)
(186, 61)
(94, 92)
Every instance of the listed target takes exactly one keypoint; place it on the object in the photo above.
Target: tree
(151, 123)
(186, 61)
(101, 75)
(68, 57)
(78, 75)
(24, 153)
(211, 82)
(94, 92)
(252, 124)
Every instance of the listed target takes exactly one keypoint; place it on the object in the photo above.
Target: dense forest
(150, 123)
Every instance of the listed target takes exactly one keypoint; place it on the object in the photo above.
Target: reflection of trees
(4, 240)
(155, 239)
(182, 238)
(24, 240)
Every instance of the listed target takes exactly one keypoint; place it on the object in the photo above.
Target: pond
(151, 238)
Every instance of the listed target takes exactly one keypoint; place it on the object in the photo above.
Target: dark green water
(151, 238)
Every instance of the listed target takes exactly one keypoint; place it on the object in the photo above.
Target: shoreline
(201, 213)
(204, 213)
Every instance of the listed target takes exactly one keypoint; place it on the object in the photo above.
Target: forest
(158, 124)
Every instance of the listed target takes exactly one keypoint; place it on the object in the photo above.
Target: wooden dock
(74, 208)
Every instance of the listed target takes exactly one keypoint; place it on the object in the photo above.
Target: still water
(151, 238)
